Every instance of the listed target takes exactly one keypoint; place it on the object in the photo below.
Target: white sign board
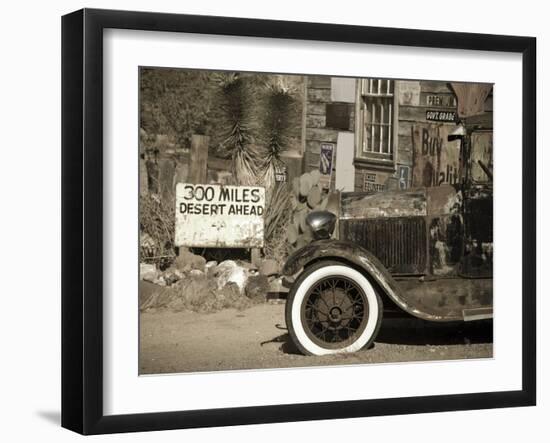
(218, 216)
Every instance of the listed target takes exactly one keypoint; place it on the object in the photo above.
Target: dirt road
(257, 338)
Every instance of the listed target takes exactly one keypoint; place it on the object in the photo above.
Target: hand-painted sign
(440, 100)
(219, 216)
(436, 160)
(409, 93)
(374, 182)
(441, 116)
(325, 164)
(280, 173)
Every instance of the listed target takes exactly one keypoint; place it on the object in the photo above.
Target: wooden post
(255, 256)
(198, 159)
(198, 171)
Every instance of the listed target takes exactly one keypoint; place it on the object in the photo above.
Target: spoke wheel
(332, 308)
(334, 312)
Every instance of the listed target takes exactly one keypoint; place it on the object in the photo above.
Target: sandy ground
(257, 338)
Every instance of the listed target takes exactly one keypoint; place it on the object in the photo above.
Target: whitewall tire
(332, 308)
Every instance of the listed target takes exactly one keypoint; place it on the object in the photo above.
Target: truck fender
(355, 255)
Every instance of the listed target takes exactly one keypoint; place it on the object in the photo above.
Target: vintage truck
(425, 252)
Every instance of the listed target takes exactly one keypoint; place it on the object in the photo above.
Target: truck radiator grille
(399, 243)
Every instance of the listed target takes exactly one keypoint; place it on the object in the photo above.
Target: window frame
(381, 161)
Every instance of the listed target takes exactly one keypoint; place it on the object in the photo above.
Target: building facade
(389, 134)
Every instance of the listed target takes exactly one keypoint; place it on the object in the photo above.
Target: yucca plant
(236, 117)
(277, 118)
(276, 123)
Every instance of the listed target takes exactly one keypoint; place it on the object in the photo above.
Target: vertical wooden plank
(198, 159)
(345, 170)
(371, 148)
(381, 125)
(304, 114)
(143, 178)
(198, 166)
(389, 128)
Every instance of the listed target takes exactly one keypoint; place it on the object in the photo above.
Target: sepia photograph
(291, 220)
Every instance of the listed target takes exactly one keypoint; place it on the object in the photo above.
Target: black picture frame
(82, 218)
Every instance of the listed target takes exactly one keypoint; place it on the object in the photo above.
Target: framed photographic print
(273, 221)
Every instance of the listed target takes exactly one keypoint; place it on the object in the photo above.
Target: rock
(305, 184)
(292, 234)
(223, 266)
(315, 175)
(210, 268)
(257, 287)
(172, 275)
(247, 265)
(148, 272)
(268, 267)
(187, 261)
(147, 291)
(160, 281)
(276, 285)
(195, 273)
(230, 272)
(314, 196)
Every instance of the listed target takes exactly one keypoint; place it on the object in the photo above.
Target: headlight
(322, 224)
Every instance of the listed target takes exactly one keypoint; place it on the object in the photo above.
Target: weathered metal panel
(399, 243)
(481, 154)
(458, 298)
(478, 220)
(443, 200)
(446, 243)
(219, 216)
(406, 203)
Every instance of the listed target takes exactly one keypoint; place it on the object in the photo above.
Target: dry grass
(277, 219)
(156, 219)
(198, 295)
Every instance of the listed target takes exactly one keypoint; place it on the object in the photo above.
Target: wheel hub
(335, 314)
(335, 311)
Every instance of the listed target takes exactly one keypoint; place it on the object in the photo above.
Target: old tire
(332, 308)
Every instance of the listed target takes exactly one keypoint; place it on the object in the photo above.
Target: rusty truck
(426, 252)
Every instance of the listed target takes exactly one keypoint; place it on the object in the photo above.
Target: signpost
(216, 216)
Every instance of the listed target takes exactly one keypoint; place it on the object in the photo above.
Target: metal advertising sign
(216, 216)
(441, 116)
(325, 164)
(440, 100)
(281, 173)
(436, 159)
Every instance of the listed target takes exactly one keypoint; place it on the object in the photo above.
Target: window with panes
(377, 110)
